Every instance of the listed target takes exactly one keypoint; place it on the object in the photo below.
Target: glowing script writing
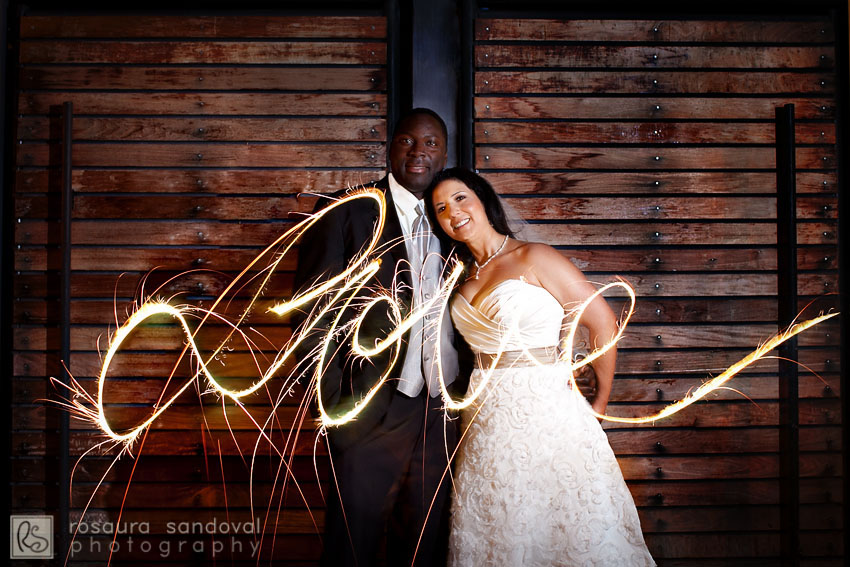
(332, 298)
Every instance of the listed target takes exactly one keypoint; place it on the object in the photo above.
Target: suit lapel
(392, 240)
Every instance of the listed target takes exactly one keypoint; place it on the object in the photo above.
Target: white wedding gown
(536, 482)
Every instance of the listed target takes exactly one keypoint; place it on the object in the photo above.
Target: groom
(389, 462)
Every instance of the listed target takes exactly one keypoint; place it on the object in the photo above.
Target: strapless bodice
(512, 315)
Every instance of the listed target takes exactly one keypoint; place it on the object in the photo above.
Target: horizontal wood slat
(649, 107)
(645, 133)
(118, 26)
(487, 55)
(100, 154)
(696, 31)
(653, 82)
(661, 158)
(198, 79)
(231, 181)
(701, 182)
(189, 52)
(206, 129)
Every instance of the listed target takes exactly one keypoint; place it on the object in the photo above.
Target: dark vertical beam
(394, 58)
(786, 241)
(436, 65)
(466, 154)
(65, 302)
(8, 64)
(842, 130)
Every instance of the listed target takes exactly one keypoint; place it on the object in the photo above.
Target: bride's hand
(586, 381)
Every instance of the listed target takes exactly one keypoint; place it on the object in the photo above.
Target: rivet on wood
(659, 363)
(655, 30)
(373, 80)
(199, 182)
(486, 55)
(197, 209)
(487, 28)
(827, 389)
(823, 83)
(825, 259)
(657, 158)
(654, 81)
(200, 103)
(486, 82)
(825, 284)
(658, 471)
(657, 183)
(826, 208)
(659, 446)
(657, 286)
(823, 109)
(371, 156)
(200, 130)
(655, 56)
(657, 337)
(201, 236)
(658, 311)
(486, 132)
(199, 156)
(828, 361)
(822, 134)
(373, 131)
(371, 53)
(200, 79)
(825, 158)
(486, 158)
(657, 207)
(657, 107)
(487, 106)
(822, 57)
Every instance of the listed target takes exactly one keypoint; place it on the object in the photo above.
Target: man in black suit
(389, 462)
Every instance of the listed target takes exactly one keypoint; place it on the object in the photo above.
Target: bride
(536, 482)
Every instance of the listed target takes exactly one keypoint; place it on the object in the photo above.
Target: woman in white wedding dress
(536, 482)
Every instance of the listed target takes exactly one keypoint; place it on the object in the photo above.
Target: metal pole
(64, 431)
(786, 242)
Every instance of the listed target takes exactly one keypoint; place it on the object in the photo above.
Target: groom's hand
(586, 381)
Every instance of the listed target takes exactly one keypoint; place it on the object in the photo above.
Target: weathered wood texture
(645, 149)
(198, 136)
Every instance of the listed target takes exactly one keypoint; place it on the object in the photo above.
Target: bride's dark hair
(485, 193)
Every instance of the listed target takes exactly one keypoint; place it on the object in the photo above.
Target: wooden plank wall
(192, 137)
(644, 149)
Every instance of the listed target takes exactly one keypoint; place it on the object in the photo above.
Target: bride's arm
(570, 287)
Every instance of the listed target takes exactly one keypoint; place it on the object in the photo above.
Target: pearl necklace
(479, 267)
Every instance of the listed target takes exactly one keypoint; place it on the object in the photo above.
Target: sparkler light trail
(338, 292)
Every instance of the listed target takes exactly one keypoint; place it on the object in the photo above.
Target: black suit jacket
(325, 251)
